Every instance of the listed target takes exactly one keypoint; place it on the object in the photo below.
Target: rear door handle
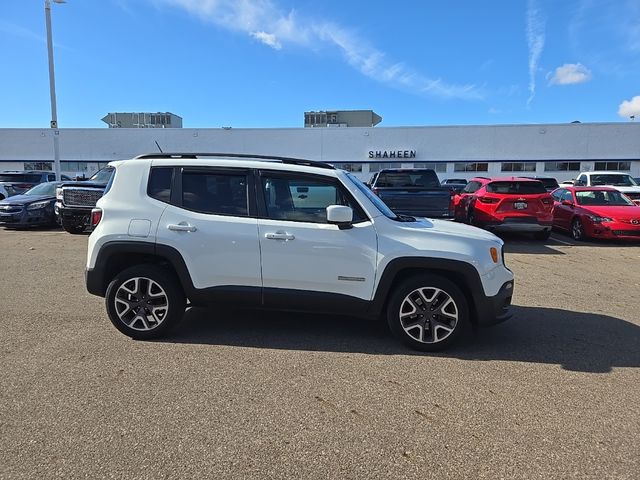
(181, 227)
(280, 236)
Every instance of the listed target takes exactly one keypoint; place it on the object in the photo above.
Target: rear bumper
(519, 225)
(494, 310)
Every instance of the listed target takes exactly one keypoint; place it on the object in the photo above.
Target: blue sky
(262, 63)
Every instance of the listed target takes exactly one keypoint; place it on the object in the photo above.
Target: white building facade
(556, 150)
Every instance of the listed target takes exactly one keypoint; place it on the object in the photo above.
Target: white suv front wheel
(145, 302)
(427, 312)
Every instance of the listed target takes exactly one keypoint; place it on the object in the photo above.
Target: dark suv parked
(21, 181)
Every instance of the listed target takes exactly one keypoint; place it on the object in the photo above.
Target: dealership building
(557, 150)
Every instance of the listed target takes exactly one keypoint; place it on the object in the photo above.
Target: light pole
(52, 89)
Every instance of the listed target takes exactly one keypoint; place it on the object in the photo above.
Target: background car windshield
(602, 198)
(516, 188)
(408, 179)
(609, 179)
(48, 188)
(380, 205)
(20, 177)
(102, 175)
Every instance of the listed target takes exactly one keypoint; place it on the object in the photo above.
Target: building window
(376, 167)
(518, 167)
(471, 167)
(38, 165)
(74, 166)
(437, 166)
(613, 166)
(562, 166)
(349, 167)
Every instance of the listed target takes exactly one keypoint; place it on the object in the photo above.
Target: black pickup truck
(75, 200)
(415, 192)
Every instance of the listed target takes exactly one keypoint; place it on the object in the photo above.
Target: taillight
(96, 216)
(488, 199)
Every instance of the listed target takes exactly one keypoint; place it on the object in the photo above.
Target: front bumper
(27, 218)
(614, 230)
(493, 310)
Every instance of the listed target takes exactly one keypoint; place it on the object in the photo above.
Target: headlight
(38, 205)
(597, 219)
(58, 193)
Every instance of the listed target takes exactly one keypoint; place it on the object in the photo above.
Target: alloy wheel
(428, 315)
(141, 303)
(576, 230)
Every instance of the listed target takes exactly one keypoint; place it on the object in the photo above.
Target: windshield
(20, 177)
(516, 188)
(48, 188)
(102, 176)
(380, 205)
(417, 178)
(602, 198)
(619, 180)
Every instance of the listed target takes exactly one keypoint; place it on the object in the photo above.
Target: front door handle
(181, 227)
(279, 236)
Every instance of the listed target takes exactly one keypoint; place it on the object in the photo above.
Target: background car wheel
(145, 302)
(471, 217)
(427, 312)
(542, 235)
(74, 228)
(577, 230)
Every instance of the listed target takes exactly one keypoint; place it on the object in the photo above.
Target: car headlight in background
(597, 219)
(38, 205)
(58, 193)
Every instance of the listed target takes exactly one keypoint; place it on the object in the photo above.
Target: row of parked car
(594, 205)
(34, 198)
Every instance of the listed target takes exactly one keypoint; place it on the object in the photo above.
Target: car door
(464, 199)
(562, 214)
(211, 223)
(308, 263)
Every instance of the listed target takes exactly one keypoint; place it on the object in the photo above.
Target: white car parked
(274, 232)
(622, 182)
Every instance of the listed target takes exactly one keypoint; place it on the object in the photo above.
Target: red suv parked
(506, 204)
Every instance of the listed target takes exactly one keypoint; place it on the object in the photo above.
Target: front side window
(215, 193)
(304, 199)
(557, 194)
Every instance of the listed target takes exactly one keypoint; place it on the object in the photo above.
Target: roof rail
(287, 160)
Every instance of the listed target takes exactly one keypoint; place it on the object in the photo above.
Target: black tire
(471, 217)
(422, 304)
(74, 228)
(150, 325)
(542, 235)
(577, 230)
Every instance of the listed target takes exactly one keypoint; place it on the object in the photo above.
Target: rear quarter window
(159, 186)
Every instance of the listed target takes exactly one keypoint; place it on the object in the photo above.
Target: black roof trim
(287, 160)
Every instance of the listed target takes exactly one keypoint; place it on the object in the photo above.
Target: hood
(24, 199)
(451, 228)
(615, 212)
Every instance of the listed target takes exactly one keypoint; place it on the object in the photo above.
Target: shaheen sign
(392, 154)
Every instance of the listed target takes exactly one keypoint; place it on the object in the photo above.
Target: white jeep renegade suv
(282, 233)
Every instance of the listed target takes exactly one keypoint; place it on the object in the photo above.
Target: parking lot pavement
(552, 393)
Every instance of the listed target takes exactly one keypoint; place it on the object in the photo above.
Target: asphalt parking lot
(552, 393)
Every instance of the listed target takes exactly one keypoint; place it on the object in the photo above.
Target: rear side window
(159, 186)
(215, 193)
(20, 177)
(516, 188)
